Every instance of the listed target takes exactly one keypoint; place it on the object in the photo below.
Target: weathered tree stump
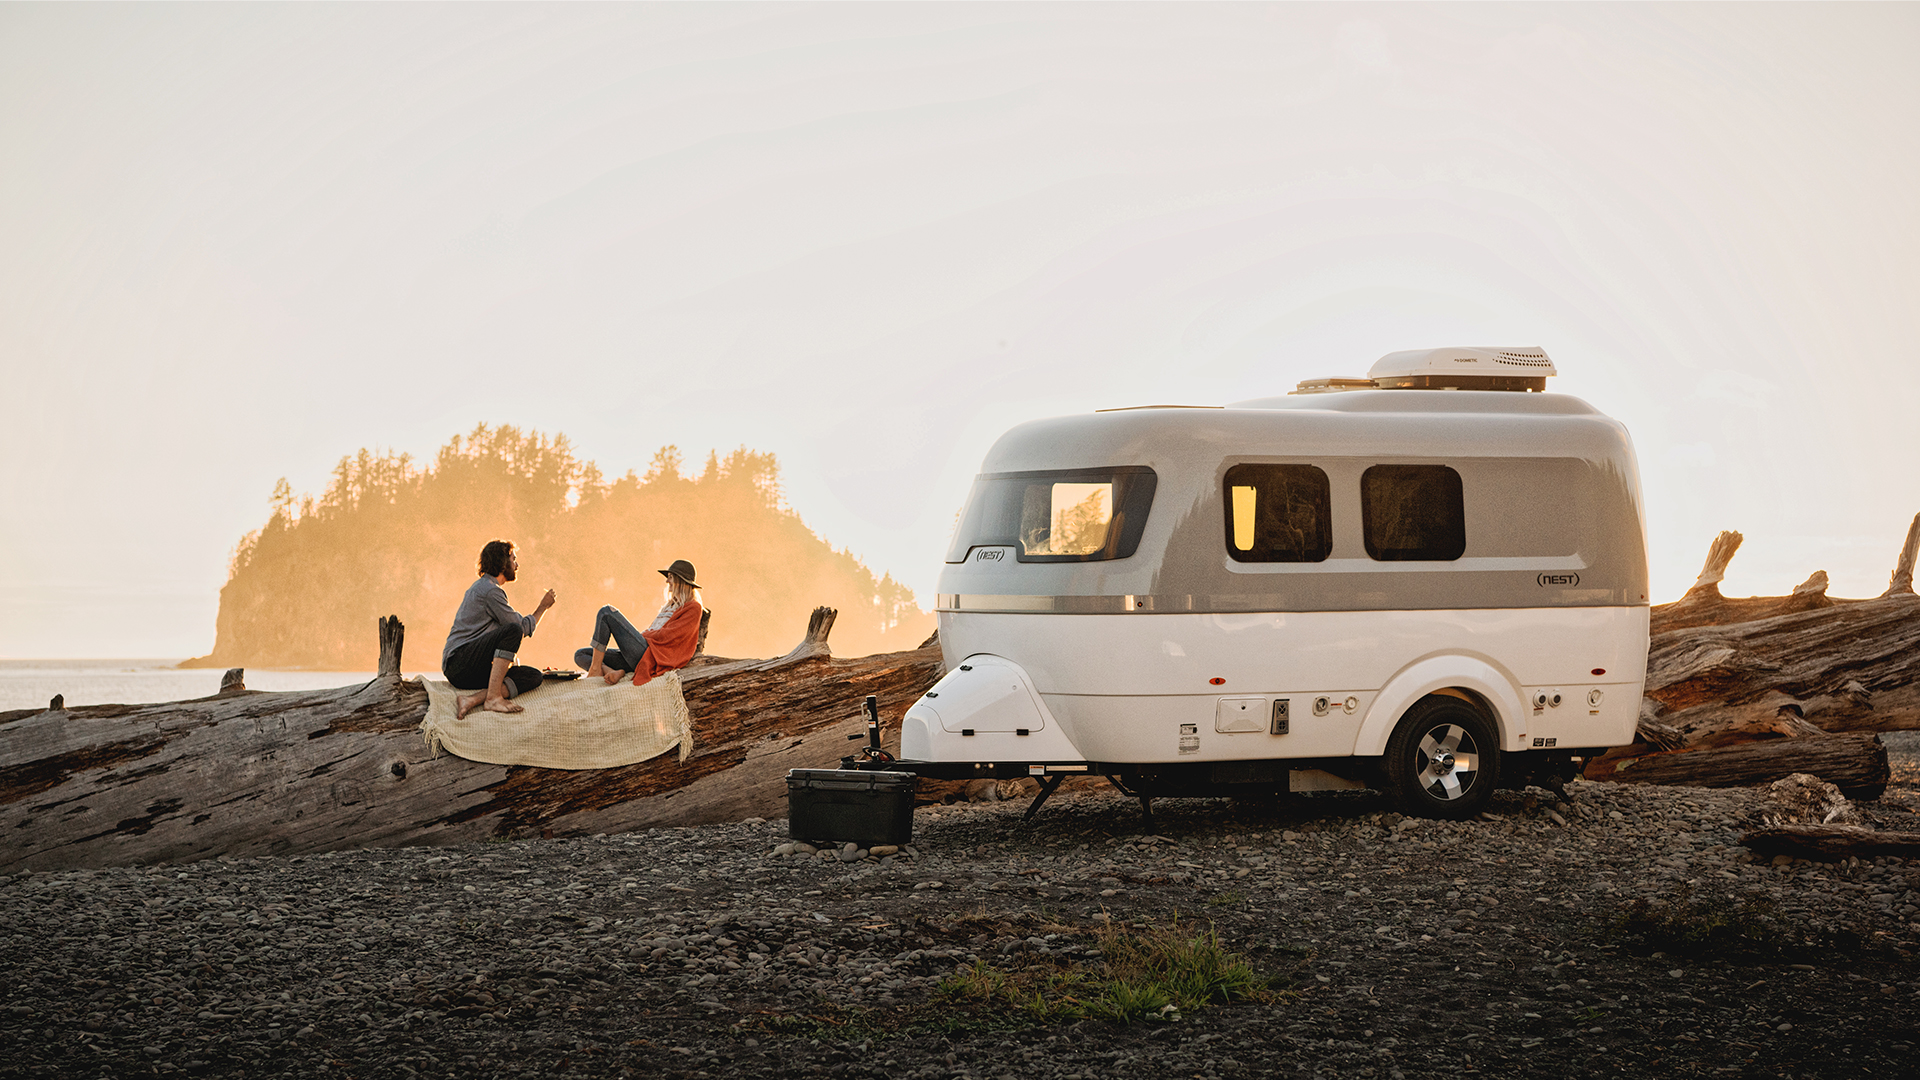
(1902, 580)
(1703, 605)
(276, 774)
(393, 638)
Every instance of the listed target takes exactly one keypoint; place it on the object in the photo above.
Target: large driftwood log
(1856, 764)
(1850, 667)
(257, 773)
(1854, 666)
(1773, 673)
(1778, 666)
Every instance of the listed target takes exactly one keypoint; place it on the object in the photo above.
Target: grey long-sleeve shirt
(482, 611)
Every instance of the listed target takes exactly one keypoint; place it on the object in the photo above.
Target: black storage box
(867, 808)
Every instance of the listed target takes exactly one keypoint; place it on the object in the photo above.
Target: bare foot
(614, 675)
(466, 703)
(502, 705)
(595, 671)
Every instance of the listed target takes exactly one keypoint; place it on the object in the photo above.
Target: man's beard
(510, 574)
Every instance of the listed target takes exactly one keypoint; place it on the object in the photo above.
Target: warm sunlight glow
(241, 240)
(1243, 504)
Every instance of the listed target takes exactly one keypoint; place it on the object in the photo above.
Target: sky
(240, 242)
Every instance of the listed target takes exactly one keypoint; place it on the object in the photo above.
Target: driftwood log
(1755, 688)
(1856, 764)
(1831, 842)
(248, 773)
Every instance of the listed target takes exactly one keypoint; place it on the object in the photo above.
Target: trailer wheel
(1443, 759)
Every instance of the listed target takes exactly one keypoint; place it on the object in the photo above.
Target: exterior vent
(1333, 386)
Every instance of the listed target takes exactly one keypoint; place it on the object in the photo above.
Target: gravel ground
(1496, 947)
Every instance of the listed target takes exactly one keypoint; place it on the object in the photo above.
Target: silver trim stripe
(1115, 605)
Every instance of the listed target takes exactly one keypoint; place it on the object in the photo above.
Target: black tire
(1443, 759)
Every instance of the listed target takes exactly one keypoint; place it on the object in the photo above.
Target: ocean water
(31, 684)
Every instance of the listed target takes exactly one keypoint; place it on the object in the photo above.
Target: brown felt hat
(683, 570)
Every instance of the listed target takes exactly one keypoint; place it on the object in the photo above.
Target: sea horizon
(32, 683)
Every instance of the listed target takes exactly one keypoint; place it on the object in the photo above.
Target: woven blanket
(582, 724)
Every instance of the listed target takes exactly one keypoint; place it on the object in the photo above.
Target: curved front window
(1060, 515)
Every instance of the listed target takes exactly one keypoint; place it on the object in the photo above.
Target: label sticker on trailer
(1189, 738)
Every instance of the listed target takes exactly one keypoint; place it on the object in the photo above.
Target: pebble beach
(1543, 938)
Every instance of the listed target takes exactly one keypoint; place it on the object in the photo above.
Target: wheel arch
(1481, 684)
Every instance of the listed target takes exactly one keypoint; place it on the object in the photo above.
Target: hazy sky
(238, 242)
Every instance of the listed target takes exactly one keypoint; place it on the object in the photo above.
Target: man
(486, 636)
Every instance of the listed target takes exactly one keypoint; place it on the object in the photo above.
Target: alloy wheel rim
(1449, 762)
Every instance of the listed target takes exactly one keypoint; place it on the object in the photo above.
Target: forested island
(392, 536)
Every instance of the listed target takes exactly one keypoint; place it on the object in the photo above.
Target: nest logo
(1551, 581)
(994, 554)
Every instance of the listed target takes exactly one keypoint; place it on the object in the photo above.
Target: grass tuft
(1690, 925)
(1156, 973)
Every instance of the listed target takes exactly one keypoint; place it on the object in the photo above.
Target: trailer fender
(1466, 673)
(984, 709)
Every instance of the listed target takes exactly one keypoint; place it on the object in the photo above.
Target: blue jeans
(611, 625)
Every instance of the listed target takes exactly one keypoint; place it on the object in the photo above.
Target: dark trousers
(610, 625)
(471, 665)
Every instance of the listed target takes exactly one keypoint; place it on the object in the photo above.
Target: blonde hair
(679, 591)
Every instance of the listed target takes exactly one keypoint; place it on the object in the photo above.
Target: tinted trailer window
(1413, 513)
(1278, 513)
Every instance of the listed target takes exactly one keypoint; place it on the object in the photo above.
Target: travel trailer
(1431, 581)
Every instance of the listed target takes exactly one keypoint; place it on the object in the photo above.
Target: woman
(666, 645)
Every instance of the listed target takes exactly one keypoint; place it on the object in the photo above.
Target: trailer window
(1278, 513)
(1413, 513)
(1076, 516)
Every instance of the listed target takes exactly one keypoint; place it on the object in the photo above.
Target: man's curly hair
(493, 557)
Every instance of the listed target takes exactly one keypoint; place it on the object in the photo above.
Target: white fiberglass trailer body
(1429, 587)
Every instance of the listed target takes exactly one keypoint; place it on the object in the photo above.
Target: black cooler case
(866, 808)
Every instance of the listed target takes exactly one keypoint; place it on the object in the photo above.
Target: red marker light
(1217, 681)
(1599, 671)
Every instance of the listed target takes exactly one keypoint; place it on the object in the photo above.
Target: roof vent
(1333, 386)
(1448, 369)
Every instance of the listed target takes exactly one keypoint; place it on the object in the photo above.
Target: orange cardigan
(671, 646)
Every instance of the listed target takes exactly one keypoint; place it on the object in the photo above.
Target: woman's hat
(683, 570)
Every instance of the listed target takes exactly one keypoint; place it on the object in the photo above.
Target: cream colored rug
(582, 724)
